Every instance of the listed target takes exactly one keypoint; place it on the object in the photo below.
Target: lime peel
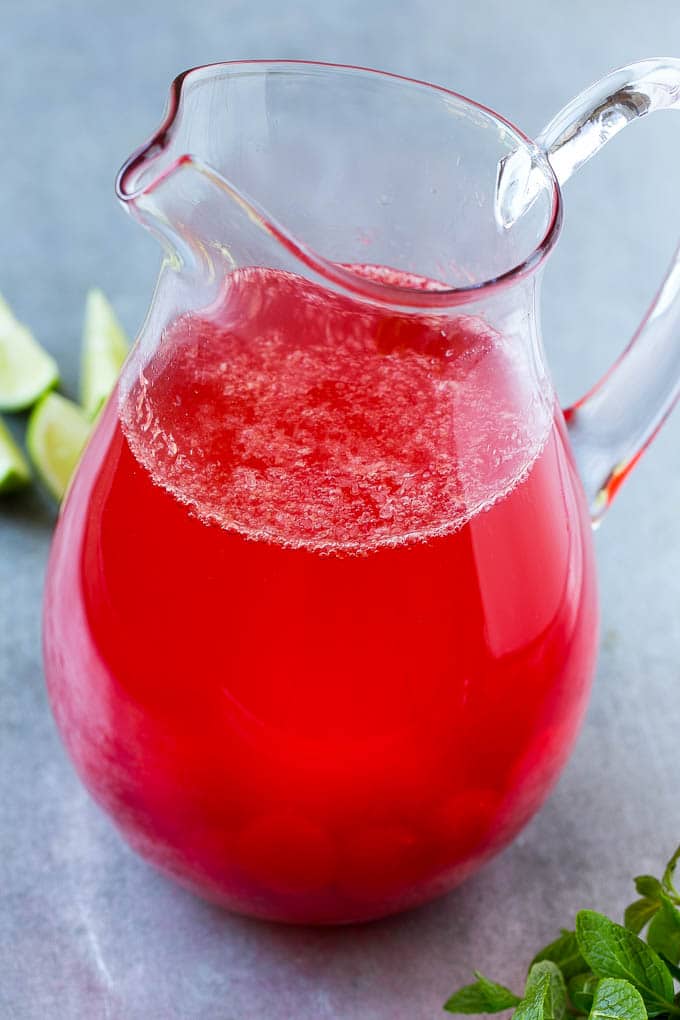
(14, 470)
(27, 371)
(105, 347)
(55, 437)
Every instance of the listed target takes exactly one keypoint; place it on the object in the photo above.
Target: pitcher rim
(333, 271)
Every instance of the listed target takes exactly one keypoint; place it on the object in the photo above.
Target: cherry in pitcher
(321, 618)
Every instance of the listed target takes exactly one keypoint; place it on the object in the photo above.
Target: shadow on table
(405, 965)
(129, 944)
(30, 508)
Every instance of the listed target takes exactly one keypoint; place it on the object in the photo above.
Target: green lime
(26, 370)
(56, 434)
(14, 471)
(105, 348)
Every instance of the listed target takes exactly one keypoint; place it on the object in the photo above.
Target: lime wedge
(14, 471)
(105, 348)
(55, 437)
(26, 370)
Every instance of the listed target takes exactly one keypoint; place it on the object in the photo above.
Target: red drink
(320, 617)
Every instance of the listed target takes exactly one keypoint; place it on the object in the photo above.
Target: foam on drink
(304, 418)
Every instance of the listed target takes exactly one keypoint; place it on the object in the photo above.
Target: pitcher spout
(198, 216)
(302, 166)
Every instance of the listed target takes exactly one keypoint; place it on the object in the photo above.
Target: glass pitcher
(321, 615)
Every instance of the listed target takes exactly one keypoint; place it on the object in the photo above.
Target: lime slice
(14, 471)
(105, 348)
(26, 370)
(55, 437)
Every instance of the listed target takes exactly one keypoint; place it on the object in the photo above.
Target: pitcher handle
(612, 425)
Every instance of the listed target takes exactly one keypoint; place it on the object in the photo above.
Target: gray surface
(86, 929)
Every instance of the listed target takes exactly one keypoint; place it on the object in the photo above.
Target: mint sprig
(565, 952)
(664, 931)
(601, 970)
(612, 951)
(483, 996)
(615, 998)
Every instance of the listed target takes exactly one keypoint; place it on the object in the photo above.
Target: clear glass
(611, 427)
(320, 616)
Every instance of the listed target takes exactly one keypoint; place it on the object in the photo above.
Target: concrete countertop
(87, 929)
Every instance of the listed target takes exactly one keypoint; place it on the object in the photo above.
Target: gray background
(86, 929)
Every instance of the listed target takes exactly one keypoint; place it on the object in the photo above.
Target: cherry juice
(320, 614)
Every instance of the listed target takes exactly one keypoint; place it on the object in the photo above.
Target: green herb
(639, 913)
(546, 976)
(667, 880)
(565, 952)
(534, 1005)
(581, 990)
(483, 996)
(664, 931)
(601, 970)
(616, 999)
(612, 951)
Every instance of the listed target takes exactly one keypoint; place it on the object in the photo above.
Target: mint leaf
(668, 877)
(611, 973)
(664, 931)
(581, 990)
(673, 968)
(532, 1006)
(565, 952)
(639, 913)
(483, 996)
(649, 886)
(547, 977)
(616, 999)
(611, 951)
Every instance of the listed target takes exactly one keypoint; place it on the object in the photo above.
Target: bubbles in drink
(293, 415)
